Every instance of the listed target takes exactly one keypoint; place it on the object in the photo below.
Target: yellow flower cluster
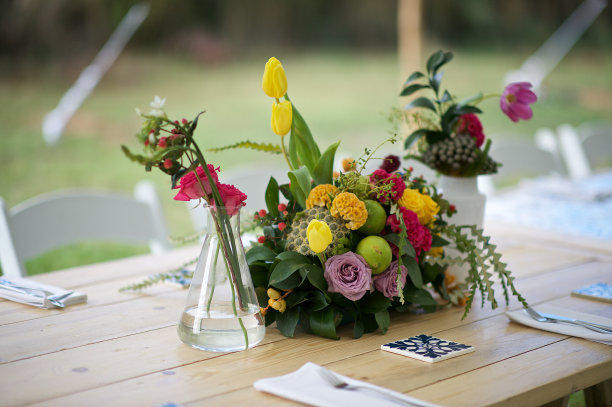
(321, 195)
(347, 206)
(421, 204)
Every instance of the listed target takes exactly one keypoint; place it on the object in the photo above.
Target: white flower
(157, 104)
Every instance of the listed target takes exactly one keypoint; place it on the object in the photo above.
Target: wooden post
(409, 37)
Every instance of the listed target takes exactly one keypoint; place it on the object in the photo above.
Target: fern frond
(268, 148)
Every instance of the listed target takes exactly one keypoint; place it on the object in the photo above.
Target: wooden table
(123, 349)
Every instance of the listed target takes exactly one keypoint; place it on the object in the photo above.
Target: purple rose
(349, 275)
(386, 282)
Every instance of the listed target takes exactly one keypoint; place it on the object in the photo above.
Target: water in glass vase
(221, 329)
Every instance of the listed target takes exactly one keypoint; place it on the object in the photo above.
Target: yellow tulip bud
(319, 235)
(274, 82)
(282, 116)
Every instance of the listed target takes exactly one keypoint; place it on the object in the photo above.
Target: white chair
(596, 141)
(522, 159)
(56, 219)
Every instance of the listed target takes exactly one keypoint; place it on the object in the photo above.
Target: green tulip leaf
(272, 197)
(300, 185)
(323, 172)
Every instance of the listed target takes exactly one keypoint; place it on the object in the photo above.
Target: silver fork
(331, 378)
(541, 318)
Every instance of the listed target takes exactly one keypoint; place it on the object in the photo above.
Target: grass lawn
(342, 95)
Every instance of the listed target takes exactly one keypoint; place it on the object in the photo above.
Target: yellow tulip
(319, 236)
(274, 82)
(282, 116)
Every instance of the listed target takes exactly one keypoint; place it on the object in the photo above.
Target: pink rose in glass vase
(190, 188)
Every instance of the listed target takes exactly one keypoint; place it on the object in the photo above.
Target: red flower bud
(168, 163)
(184, 121)
(262, 212)
(162, 143)
(282, 207)
(261, 239)
(282, 226)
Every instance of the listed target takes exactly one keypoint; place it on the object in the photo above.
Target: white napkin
(36, 298)
(307, 386)
(521, 316)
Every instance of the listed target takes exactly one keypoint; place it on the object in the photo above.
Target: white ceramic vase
(470, 204)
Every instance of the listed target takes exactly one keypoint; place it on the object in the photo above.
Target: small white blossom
(157, 104)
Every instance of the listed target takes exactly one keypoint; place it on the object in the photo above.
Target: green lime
(377, 218)
(376, 252)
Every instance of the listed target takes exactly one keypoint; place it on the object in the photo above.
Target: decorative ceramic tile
(427, 348)
(599, 291)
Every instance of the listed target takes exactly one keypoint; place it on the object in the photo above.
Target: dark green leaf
(259, 253)
(290, 283)
(395, 238)
(461, 110)
(272, 197)
(435, 81)
(446, 97)
(262, 296)
(358, 329)
(437, 241)
(315, 277)
(294, 158)
(414, 137)
(300, 185)
(296, 297)
(307, 149)
(292, 255)
(287, 321)
(322, 323)
(270, 318)
(323, 172)
(436, 60)
(194, 124)
(419, 296)
(383, 320)
(259, 274)
(284, 269)
(317, 301)
(421, 102)
(433, 137)
(410, 89)
(414, 271)
(414, 76)
(372, 303)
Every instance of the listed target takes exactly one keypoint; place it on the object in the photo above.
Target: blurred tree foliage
(34, 31)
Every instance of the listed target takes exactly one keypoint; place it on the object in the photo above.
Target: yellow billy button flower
(282, 116)
(319, 236)
(274, 82)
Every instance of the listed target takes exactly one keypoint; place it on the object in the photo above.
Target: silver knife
(572, 320)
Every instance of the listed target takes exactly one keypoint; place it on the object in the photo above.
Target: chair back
(56, 219)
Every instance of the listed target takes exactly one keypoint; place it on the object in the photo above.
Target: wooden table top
(122, 348)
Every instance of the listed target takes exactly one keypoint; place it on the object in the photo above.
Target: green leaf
(272, 197)
(395, 238)
(296, 297)
(300, 185)
(414, 76)
(421, 102)
(414, 271)
(287, 321)
(435, 81)
(306, 148)
(284, 269)
(372, 303)
(358, 329)
(433, 137)
(323, 172)
(410, 89)
(317, 301)
(294, 158)
(383, 320)
(436, 60)
(315, 277)
(290, 283)
(414, 137)
(259, 253)
(292, 255)
(420, 297)
(322, 323)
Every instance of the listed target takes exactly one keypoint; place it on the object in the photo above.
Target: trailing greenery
(268, 148)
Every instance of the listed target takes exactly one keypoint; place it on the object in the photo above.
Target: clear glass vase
(222, 313)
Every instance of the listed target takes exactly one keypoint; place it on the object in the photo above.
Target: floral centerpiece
(448, 135)
(346, 246)
(349, 246)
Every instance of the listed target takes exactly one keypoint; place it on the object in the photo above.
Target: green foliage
(265, 147)
(482, 258)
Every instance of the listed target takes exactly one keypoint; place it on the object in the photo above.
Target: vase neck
(466, 184)
(213, 218)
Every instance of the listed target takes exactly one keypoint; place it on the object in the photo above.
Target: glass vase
(222, 313)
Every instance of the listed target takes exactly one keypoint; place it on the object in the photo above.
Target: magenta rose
(470, 124)
(386, 282)
(418, 235)
(190, 188)
(233, 198)
(349, 275)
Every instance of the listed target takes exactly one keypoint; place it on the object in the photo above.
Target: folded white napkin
(306, 385)
(521, 316)
(10, 289)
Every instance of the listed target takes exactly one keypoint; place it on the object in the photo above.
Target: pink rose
(349, 275)
(233, 198)
(386, 282)
(190, 188)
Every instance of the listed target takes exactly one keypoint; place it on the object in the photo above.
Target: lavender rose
(349, 275)
(386, 282)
